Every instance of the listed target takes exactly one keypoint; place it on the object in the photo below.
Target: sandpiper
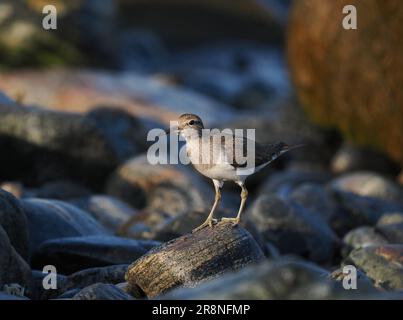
(214, 155)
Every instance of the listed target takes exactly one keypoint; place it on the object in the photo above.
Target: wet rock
(169, 188)
(102, 291)
(112, 213)
(293, 229)
(285, 182)
(322, 56)
(349, 158)
(369, 184)
(360, 210)
(362, 237)
(390, 226)
(13, 269)
(44, 145)
(383, 264)
(72, 254)
(198, 257)
(14, 223)
(50, 219)
(283, 279)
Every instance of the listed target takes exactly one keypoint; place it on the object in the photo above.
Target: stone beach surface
(78, 192)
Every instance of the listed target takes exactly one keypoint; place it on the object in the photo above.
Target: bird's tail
(285, 147)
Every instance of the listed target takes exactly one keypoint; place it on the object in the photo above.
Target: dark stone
(285, 182)
(73, 254)
(361, 210)
(6, 296)
(60, 190)
(112, 213)
(14, 223)
(13, 269)
(293, 229)
(102, 291)
(39, 292)
(50, 219)
(69, 294)
(282, 279)
(57, 150)
(111, 274)
(316, 199)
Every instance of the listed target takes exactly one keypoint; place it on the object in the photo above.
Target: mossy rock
(78, 39)
(351, 79)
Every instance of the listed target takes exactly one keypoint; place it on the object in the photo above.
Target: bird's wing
(242, 152)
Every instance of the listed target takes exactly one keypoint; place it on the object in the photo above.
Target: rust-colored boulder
(351, 79)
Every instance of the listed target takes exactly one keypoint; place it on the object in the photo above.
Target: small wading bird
(215, 156)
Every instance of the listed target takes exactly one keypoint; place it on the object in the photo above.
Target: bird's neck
(192, 135)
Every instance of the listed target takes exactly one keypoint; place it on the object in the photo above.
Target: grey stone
(14, 223)
(111, 212)
(391, 227)
(102, 291)
(293, 229)
(370, 184)
(169, 188)
(362, 237)
(50, 219)
(362, 210)
(13, 269)
(73, 254)
(282, 279)
(351, 158)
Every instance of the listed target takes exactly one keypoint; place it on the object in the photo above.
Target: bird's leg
(210, 221)
(244, 196)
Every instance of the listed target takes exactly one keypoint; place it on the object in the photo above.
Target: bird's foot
(208, 222)
(235, 221)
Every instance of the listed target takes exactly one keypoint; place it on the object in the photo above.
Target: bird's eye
(191, 122)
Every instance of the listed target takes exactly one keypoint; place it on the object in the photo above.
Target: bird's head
(189, 125)
(190, 121)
